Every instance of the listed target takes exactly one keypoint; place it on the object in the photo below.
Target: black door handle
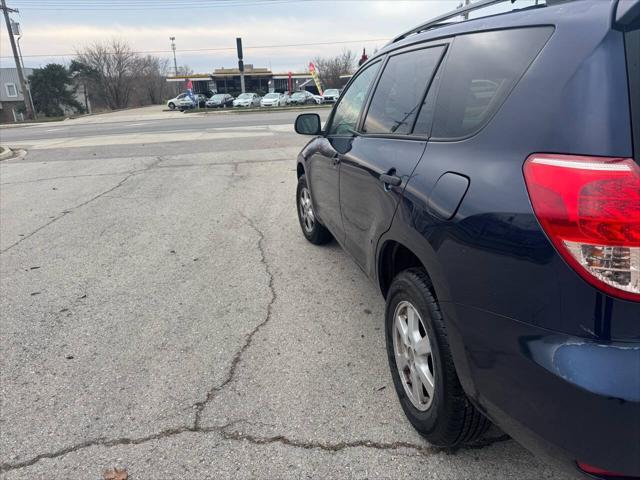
(392, 180)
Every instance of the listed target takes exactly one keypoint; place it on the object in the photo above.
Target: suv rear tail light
(590, 209)
(599, 472)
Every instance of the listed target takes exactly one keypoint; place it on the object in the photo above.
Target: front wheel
(172, 106)
(422, 366)
(312, 229)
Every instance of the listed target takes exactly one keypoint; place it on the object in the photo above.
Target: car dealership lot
(161, 312)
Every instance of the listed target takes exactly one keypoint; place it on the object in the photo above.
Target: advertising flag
(314, 74)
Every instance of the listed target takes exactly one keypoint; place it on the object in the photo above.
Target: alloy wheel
(413, 355)
(306, 210)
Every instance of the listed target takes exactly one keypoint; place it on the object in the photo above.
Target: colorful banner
(314, 74)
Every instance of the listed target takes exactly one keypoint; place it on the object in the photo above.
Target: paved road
(147, 120)
(162, 313)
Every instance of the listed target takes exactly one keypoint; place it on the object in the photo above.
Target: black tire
(172, 106)
(318, 234)
(451, 419)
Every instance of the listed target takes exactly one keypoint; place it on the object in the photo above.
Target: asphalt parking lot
(161, 312)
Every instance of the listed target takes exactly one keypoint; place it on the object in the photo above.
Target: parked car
(202, 99)
(173, 103)
(301, 97)
(220, 100)
(274, 99)
(188, 102)
(247, 100)
(486, 175)
(331, 95)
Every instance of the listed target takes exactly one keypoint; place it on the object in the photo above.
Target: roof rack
(437, 22)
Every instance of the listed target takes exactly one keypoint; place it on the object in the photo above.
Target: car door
(387, 148)
(322, 165)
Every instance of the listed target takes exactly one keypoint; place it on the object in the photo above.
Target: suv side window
(480, 72)
(347, 111)
(400, 91)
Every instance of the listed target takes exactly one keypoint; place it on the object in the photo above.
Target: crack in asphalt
(423, 450)
(239, 436)
(231, 372)
(63, 177)
(103, 442)
(80, 205)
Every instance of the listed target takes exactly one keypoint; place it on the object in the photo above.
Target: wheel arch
(393, 258)
(300, 170)
(401, 248)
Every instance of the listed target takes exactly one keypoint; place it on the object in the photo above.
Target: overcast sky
(57, 27)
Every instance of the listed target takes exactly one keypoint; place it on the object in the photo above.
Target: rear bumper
(563, 397)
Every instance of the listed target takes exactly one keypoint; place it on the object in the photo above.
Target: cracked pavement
(161, 312)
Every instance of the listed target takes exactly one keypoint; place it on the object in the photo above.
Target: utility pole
(15, 29)
(240, 62)
(23, 81)
(175, 62)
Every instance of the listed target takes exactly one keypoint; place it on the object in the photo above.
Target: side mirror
(308, 124)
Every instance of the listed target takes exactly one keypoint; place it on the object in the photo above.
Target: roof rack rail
(436, 22)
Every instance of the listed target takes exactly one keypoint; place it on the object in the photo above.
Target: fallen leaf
(115, 474)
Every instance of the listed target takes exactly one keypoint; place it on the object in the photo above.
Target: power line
(217, 49)
(43, 5)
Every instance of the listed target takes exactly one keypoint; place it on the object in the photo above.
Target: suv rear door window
(400, 91)
(347, 112)
(480, 72)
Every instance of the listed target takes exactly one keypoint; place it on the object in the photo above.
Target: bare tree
(330, 68)
(185, 70)
(150, 80)
(113, 64)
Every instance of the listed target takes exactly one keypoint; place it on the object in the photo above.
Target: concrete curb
(5, 152)
(241, 110)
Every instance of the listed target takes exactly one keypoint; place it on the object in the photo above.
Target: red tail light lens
(590, 469)
(590, 209)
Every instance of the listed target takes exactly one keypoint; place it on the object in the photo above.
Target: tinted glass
(481, 70)
(427, 111)
(348, 110)
(400, 91)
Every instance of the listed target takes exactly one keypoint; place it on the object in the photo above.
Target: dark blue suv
(485, 173)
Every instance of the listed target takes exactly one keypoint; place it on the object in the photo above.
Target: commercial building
(11, 94)
(256, 79)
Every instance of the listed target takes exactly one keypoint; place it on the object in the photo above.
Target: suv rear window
(400, 91)
(480, 71)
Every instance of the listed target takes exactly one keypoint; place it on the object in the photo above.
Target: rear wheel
(172, 106)
(422, 366)
(312, 229)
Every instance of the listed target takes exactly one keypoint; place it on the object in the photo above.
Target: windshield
(217, 97)
(298, 94)
(272, 95)
(244, 95)
(331, 91)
